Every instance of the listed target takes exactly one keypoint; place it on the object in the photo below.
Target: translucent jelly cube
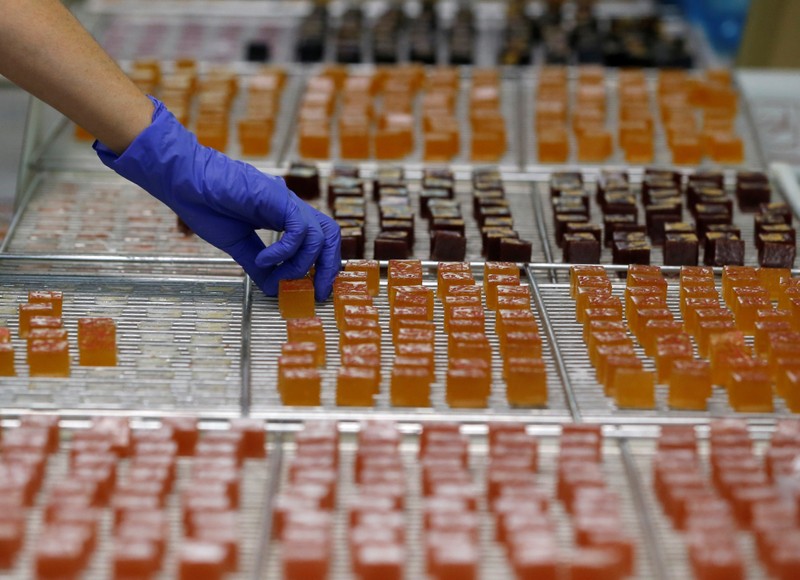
(306, 330)
(750, 391)
(491, 283)
(304, 348)
(419, 296)
(356, 386)
(296, 298)
(634, 388)
(690, 384)
(7, 360)
(670, 348)
(97, 342)
(468, 386)
(28, 311)
(410, 386)
(53, 297)
(372, 270)
(526, 382)
(49, 358)
(299, 386)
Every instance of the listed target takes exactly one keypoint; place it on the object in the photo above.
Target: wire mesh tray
(178, 342)
(493, 559)
(508, 107)
(544, 208)
(256, 476)
(580, 381)
(517, 192)
(268, 333)
(662, 155)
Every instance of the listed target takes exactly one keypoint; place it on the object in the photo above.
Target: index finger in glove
(295, 232)
(330, 257)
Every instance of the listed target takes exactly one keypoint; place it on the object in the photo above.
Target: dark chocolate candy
(448, 246)
(392, 246)
(777, 208)
(449, 224)
(493, 211)
(581, 248)
(631, 251)
(352, 243)
(620, 203)
(612, 223)
(751, 195)
(344, 170)
(679, 228)
(707, 214)
(681, 249)
(588, 228)
(723, 249)
(561, 221)
(480, 198)
(428, 195)
(776, 251)
(498, 222)
(303, 180)
(782, 228)
(515, 250)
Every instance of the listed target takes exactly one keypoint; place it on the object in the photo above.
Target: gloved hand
(224, 201)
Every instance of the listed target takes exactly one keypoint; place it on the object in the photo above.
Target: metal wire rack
(256, 476)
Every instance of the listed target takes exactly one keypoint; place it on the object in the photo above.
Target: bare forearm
(47, 52)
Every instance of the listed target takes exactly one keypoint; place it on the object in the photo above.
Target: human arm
(46, 51)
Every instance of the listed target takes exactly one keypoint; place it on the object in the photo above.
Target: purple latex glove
(225, 201)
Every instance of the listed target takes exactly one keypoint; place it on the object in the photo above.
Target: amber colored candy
(255, 136)
(28, 311)
(521, 343)
(355, 141)
(352, 337)
(581, 275)
(638, 322)
(493, 281)
(372, 270)
(49, 358)
(634, 388)
(552, 143)
(306, 330)
(391, 143)
(296, 298)
(526, 381)
(670, 348)
(773, 279)
(439, 145)
(304, 348)
(610, 367)
(707, 328)
(299, 386)
(342, 301)
(762, 331)
(750, 391)
(514, 320)
(97, 342)
(655, 329)
(447, 280)
(52, 297)
(687, 150)
(356, 386)
(689, 384)
(419, 296)
(7, 360)
(45, 334)
(594, 145)
(404, 273)
(201, 559)
(745, 309)
(639, 148)
(468, 386)
(410, 386)
(727, 148)
(313, 141)
(604, 339)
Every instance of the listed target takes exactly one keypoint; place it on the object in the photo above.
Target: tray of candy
(657, 149)
(463, 184)
(92, 214)
(70, 149)
(507, 106)
(178, 344)
(103, 497)
(574, 388)
(695, 502)
(594, 403)
(268, 333)
(740, 221)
